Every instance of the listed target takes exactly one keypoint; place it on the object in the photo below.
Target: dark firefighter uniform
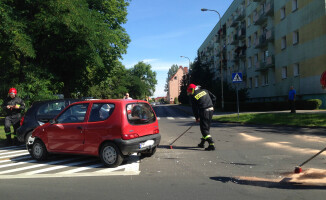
(13, 116)
(203, 102)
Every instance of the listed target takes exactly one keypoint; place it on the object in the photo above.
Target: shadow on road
(283, 184)
(180, 147)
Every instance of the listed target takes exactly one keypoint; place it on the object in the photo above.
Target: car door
(67, 133)
(99, 126)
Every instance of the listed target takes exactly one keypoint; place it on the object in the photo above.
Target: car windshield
(140, 113)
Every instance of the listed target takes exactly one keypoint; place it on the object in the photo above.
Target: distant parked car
(110, 129)
(40, 113)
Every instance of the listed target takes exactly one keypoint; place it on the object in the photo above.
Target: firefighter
(13, 107)
(203, 102)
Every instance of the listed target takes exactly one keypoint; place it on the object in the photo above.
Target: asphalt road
(250, 162)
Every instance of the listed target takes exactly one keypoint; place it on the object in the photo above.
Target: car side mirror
(53, 121)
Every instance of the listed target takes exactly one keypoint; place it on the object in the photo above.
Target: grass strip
(298, 119)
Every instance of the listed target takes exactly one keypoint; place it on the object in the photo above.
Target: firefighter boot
(202, 143)
(211, 146)
(8, 140)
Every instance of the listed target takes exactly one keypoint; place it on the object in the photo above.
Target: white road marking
(37, 165)
(58, 167)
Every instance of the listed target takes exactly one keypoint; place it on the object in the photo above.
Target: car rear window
(51, 108)
(101, 111)
(140, 113)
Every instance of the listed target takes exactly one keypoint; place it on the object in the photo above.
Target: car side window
(73, 114)
(101, 112)
(140, 113)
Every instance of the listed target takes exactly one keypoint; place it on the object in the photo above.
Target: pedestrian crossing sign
(236, 77)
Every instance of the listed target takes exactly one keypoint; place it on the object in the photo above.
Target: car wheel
(110, 155)
(149, 153)
(39, 151)
(27, 137)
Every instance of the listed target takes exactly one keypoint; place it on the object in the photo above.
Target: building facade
(275, 44)
(175, 84)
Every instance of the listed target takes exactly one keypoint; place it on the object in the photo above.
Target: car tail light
(130, 136)
(22, 120)
(156, 131)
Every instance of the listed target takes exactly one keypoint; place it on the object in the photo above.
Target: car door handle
(79, 128)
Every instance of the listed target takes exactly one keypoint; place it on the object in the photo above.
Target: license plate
(146, 144)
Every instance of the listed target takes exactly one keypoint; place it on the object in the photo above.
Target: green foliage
(142, 81)
(75, 44)
(176, 101)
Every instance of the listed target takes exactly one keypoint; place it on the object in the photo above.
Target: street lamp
(221, 54)
(189, 67)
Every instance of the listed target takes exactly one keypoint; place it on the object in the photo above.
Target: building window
(256, 81)
(295, 36)
(283, 45)
(296, 71)
(265, 79)
(175, 78)
(249, 62)
(294, 5)
(249, 41)
(256, 60)
(250, 83)
(284, 72)
(282, 12)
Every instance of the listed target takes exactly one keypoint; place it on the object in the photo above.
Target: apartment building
(275, 44)
(175, 84)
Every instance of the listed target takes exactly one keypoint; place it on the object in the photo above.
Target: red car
(109, 129)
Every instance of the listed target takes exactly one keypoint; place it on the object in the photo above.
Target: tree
(143, 80)
(75, 44)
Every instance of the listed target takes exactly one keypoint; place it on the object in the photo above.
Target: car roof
(54, 100)
(121, 101)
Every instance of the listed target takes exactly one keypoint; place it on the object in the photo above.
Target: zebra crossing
(15, 162)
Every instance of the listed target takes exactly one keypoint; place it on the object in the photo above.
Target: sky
(163, 30)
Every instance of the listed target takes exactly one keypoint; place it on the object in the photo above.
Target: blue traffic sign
(236, 77)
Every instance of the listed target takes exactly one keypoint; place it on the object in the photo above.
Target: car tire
(27, 136)
(39, 151)
(110, 155)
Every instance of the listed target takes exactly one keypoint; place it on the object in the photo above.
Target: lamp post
(189, 67)
(221, 54)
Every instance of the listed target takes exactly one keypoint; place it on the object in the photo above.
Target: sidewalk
(188, 110)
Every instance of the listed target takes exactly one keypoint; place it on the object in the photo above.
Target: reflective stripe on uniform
(208, 136)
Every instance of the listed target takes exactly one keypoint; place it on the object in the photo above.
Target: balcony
(222, 32)
(261, 42)
(241, 14)
(270, 61)
(260, 17)
(269, 8)
(234, 22)
(270, 35)
(242, 33)
(264, 65)
(240, 52)
(234, 40)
